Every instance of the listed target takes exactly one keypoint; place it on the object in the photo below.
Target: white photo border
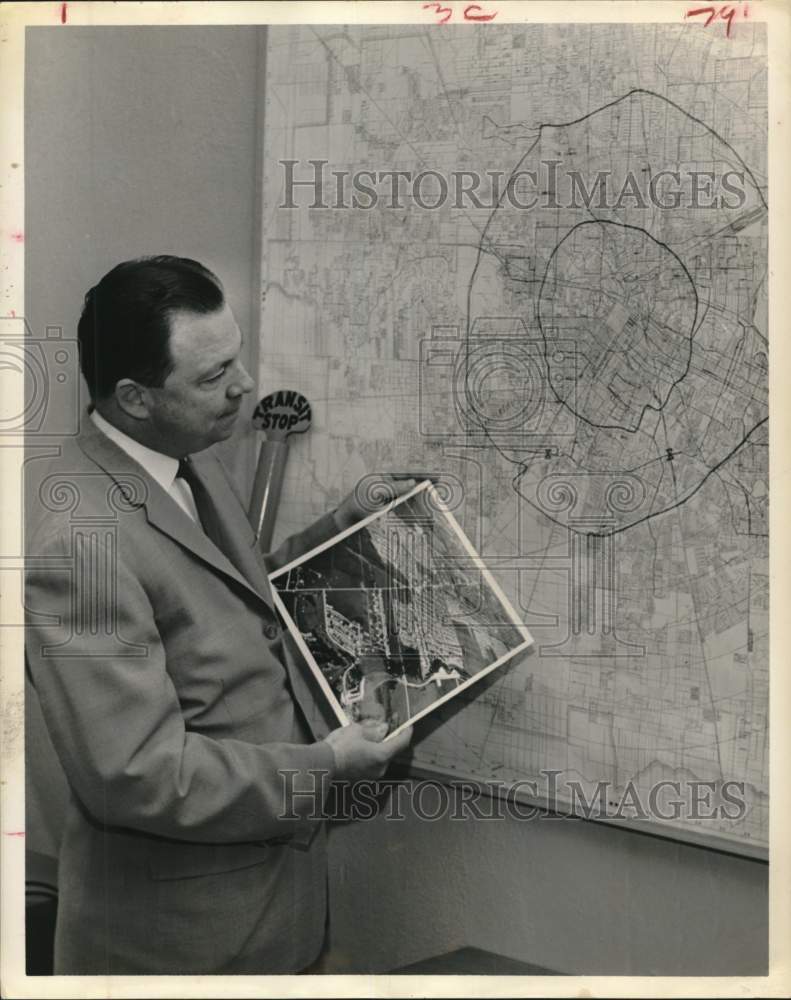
(14, 18)
(441, 509)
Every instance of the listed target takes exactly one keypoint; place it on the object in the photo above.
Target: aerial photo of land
(397, 615)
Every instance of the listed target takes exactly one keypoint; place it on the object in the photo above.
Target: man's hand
(361, 503)
(359, 752)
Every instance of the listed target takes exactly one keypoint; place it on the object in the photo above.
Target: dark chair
(41, 907)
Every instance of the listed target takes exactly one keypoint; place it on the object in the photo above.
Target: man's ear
(132, 398)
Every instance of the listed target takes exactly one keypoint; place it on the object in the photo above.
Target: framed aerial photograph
(398, 613)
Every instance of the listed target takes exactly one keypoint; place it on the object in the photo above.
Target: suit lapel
(165, 514)
(237, 538)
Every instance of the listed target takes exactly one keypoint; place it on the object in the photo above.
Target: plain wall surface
(573, 896)
(140, 141)
(144, 139)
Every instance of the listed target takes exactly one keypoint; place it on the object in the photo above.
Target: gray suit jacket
(178, 713)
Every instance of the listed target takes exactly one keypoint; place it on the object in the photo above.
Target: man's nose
(242, 384)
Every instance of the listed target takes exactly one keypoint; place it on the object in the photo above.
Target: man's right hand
(359, 750)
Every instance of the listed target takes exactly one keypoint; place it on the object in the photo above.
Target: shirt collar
(162, 468)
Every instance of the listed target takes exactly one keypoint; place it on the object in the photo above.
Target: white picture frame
(397, 652)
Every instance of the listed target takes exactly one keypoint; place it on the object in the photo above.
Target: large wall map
(580, 350)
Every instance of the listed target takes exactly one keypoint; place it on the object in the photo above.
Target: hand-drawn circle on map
(629, 304)
(500, 385)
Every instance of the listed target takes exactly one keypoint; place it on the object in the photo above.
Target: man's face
(199, 402)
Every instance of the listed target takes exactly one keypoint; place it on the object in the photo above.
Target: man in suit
(193, 841)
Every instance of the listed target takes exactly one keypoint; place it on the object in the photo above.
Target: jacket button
(270, 631)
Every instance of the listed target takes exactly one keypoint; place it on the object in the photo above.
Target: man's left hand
(356, 506)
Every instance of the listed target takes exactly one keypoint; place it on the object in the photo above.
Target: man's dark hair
(124, 329)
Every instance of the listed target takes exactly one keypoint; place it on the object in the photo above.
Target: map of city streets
(587, 374)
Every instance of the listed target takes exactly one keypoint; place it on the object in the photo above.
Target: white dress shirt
(160, 467)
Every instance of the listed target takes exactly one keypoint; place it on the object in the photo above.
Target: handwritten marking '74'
(725, 13)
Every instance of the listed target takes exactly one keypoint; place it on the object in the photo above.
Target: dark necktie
(203, 503)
